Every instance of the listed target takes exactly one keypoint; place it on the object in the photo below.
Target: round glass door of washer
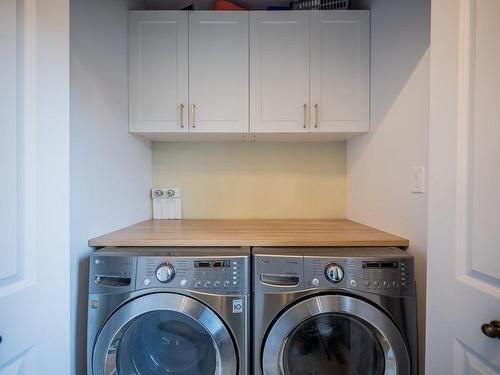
(166, 342)
(164, 333)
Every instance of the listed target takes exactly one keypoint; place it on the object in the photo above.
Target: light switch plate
(418, 180)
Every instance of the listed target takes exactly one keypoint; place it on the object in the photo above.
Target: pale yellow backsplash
(257, 180)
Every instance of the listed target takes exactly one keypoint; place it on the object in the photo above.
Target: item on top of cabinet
(167, 203)
(226, 5)
(319, 4)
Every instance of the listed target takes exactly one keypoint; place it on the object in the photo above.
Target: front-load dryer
(172, 311)
(334, 311)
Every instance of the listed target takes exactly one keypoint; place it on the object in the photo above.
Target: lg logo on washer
(237, 306)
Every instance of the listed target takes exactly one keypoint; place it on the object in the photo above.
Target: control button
(226, 283)
(376, 283)
(235, 282)
(402, 268)
(146, 282)
(334, 272)
(395, 284)
(235, 272)
(207, 284)
(315, 282)
(217, 284)
(165, 272)
(183, 282)
(353, 283)
(367, 284)
(385, 284)
(197, 284)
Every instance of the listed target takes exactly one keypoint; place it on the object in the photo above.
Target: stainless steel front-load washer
(334, 311)
(172, 311)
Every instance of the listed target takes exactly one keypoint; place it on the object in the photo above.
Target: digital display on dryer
(212, 263)
(387, 264)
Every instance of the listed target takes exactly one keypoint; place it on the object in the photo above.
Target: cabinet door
(279, 72)
(158, 71)
(340, 71)
(218, 71)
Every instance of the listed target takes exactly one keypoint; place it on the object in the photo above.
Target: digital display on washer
(389, 264)
(212, 263)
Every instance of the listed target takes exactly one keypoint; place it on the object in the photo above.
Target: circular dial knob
(334, 272)
(165, 272)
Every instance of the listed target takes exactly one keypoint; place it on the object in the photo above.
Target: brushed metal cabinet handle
(193, 109)
(316, 115)
(305, 115)
(181, 109)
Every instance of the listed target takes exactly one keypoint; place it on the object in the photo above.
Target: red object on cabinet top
(226, 5)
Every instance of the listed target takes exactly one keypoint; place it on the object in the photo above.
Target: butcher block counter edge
(249, 232)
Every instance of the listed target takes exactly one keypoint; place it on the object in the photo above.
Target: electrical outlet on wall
(166, 203)
(418, 180)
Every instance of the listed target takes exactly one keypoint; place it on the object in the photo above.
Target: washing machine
(169, 311)
(334, 311)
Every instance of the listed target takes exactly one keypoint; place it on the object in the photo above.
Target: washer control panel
(226, 275)
(381, 276)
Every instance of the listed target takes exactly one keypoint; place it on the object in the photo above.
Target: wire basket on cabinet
(319, 4)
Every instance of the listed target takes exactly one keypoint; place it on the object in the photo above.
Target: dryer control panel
(225, 275)
(393, 276)
(383, 271)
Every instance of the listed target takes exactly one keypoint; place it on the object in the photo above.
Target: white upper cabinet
(279, 72)
(218, 72)
(340, 71)
(158, 71)
(221, 75)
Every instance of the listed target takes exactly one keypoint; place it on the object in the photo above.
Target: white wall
(379, 164)
(110, 169)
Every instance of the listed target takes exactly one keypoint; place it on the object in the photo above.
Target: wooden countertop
(210, 232)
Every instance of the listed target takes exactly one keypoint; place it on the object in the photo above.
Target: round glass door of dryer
(335, 344)
(334, 334)
(164, 333)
